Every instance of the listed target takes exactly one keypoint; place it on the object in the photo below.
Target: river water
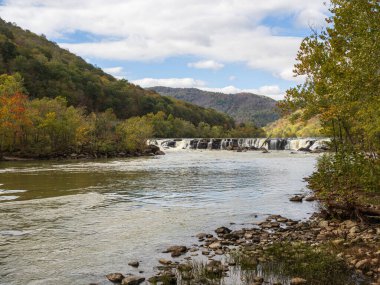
(73, 222)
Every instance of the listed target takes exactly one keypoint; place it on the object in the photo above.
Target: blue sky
(220, 45)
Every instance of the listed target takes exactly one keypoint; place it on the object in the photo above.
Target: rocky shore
(355, 245)
(150, 150)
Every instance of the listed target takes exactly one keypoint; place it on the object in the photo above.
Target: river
(73, 222)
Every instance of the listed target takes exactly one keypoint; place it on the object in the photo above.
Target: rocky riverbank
(352, 247)
(150, 150)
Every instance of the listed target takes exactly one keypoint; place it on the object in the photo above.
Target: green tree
(134, 133)
(341, 65)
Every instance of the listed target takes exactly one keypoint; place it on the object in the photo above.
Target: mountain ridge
(243, 107)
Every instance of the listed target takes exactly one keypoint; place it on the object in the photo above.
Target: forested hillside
(294, 126)
(50, 71)
(243, 107)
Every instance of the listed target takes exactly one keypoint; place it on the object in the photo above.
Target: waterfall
(290, 144)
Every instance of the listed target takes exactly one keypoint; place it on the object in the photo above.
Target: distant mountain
(243, 107)
(50, 71)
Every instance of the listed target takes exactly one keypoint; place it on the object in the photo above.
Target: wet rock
(164, 261)
(297, 281)
(282, 220)
(176, 250)
(180, 248)
(296, 198)
(159, 152)
(310, 198)
(132, 280)
(115, 277)
(134, 264)
(215, 245)
(201, 235)
(223, 230)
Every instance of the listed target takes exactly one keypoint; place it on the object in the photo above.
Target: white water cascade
(293, 144)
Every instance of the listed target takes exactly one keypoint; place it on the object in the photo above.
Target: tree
(341, 65)
(13, 119)
(342, 69)
(134, 133)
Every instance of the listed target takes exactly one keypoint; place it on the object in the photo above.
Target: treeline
(341, 64)
(49, 127)
(50, 71)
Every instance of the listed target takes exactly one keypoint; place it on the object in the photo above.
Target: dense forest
(341, 64)
(243, 107)
(50, 71)
(50, 127)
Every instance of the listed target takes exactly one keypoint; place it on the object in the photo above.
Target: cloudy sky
(221, 45)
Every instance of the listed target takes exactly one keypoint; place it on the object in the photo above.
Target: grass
(283, 261)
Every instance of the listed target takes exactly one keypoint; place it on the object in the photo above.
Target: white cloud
(170, 82)
(143, 30)
(272, 91)
(115, 71)
(206, 64)
(311, 17)
(232, 78)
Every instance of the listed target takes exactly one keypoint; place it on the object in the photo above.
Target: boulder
(215, 245)
(223, 230)
(164, 261)
(296, 198)
(115, 277)
(134, 264)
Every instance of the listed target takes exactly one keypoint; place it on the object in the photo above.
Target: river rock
(223, 230)
(201, 235)
(176, 250)
(310, 198)
(115, 277)
(134, 264)
(164, 261)
(296, 198)
(215, 245)
(180, 248)
(132, 280)
(297, 281)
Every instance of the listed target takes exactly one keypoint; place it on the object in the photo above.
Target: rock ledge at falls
(296, 144)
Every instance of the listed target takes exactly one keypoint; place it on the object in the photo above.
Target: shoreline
(150, 150)
(350, 243)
